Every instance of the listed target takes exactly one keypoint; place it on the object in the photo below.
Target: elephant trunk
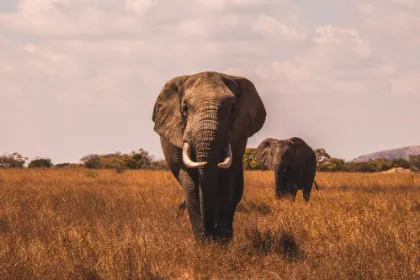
(186, 151)
(210, 144)
(205, 146)
(279, 174)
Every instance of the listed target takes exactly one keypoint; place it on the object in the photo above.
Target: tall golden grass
(83, 224)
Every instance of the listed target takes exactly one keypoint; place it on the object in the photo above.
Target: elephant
(204, 121)
(294, 164)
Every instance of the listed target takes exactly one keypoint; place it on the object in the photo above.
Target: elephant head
(274, 153)
(208, 115)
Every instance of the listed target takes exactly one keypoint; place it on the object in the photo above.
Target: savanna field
(86, 224)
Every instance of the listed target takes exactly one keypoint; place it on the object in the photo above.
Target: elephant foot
(223, 240)
(285, 197)
(220, 236)
(281, 195)
(219, 239)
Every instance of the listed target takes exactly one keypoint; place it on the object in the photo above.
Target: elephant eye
(184, 109)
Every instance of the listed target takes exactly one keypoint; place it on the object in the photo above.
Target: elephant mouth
(186, 151)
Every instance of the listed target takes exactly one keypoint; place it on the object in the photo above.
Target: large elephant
(204, 121)
(294, 165)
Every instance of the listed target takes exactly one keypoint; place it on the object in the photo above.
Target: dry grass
(78, 224)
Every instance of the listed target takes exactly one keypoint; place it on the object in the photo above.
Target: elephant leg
(290, 184)
(237, 193)
(238, 183)
(238, 189)
(281, 180)
(225, 202)
(292, 191)
(307, 179)
(189, 182)
(307, 193)
(231, 186)
(173, 158)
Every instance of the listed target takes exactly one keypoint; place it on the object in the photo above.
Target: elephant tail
(316, 185)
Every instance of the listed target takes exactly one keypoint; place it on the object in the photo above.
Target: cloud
(139, 6)
(191, 27)
(223, 4)
(273, 29)
(84, 74)
(407, 85)
(409, 3)
(396, 19)
(334, 64)
(61, 18)
(332, 35)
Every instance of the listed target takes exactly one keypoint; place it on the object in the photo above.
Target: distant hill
(390, 154)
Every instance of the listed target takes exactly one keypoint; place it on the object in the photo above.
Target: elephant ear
(264, 153)
(250, 112)
(167, 113)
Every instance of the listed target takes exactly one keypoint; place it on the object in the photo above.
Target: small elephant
(204, 121)
(294, 165)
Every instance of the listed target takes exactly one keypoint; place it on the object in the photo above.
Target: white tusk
(228, 160)
(187, 160)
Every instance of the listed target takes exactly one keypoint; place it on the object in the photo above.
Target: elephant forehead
(281, 148)
(208, 92)
(205, 82)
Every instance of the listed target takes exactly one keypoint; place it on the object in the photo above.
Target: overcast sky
(81, 76)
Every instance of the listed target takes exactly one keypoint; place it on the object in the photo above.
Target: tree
(40, 163)
(159, 165)
(321, 154)
(331, 164)
(14, 160)
(414, 161)
(118, 161)
(400, 162)
(91, 161)
(251, 162)
(140, 159)
(327, 163)
(62, 165)
(112, 161)
(383, 164)
(360, 166)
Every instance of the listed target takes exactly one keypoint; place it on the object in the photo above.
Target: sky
(79, 77)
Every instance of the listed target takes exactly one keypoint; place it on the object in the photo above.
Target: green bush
(159, 165)
(63, 165)
(251, 162)
(400, 162)
(321, 154)
(118, 161)
(14, 160)
(383, 164)
(91, 161)
(40, 163)
(414, 161)
(331, 164)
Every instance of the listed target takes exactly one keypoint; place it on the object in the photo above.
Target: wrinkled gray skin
(208, 111)
(294, 165)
